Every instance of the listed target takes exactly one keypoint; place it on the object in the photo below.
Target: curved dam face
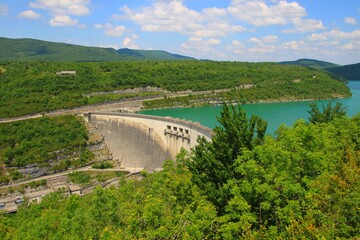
(144, 141)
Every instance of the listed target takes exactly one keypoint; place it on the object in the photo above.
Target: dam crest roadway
(144, 141)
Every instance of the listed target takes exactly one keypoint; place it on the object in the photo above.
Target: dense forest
(302, 183)
(34, 87)
(56, 143)
(350, 72)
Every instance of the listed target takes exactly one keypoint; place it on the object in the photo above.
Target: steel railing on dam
(145, 141)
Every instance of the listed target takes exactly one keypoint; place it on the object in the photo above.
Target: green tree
(328, 112)
(213, 162)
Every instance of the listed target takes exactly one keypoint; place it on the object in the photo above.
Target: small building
(66, 73)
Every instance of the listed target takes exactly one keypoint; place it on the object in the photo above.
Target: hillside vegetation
(34, 87)
(302, 184)
(153, 54)
(38, 50)
(53, 143)
(312, 63)
(350, 72)
(344, 73)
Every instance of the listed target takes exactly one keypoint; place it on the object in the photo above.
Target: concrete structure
(144, 141)
(66, 73)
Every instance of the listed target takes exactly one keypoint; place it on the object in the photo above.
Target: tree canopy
(328, 112)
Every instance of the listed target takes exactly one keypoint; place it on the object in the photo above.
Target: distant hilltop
(37, 50)
(348, 72)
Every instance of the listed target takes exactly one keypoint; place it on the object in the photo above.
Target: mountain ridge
(28, 49)
(312, 63)
(350, 72)
(347, 72)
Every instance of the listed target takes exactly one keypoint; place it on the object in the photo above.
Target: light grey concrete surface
(144, 141)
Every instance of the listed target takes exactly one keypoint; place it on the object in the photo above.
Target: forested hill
(34, 87)
(350, 72)
(312, 63)
(32, 49)
(153, 54)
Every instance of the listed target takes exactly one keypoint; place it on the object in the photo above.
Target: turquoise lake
(275, 113)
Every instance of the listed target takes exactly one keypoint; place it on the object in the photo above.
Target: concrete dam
(144, 141)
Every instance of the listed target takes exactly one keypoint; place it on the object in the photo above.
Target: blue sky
(235, 30)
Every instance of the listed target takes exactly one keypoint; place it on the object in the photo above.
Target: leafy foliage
(79, 178)
(328, 114)
(213, 162)
(102, 165)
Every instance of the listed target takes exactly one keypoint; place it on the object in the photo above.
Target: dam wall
(144, 141)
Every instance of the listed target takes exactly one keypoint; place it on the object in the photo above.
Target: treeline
(33, 87)
(304, 183)
(61, 141)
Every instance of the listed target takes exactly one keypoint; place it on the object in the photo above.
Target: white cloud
(267, 39)
(196, 44)
(174, 16)
(317, 37)
(62, 21)
(61, 10)
(29, 14)
(350, 20)
(258, 13)
(336, 34)
(293, 45)
(63, 7)
(236, 47)
(3, 9)
(352, 46)
(305, 25)
(98, 26)
(110, 30)
(116, 31)
(262, 49)
(214, 12)
(129, 42)
(164, 16)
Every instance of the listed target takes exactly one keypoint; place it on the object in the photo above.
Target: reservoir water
(275, 113)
